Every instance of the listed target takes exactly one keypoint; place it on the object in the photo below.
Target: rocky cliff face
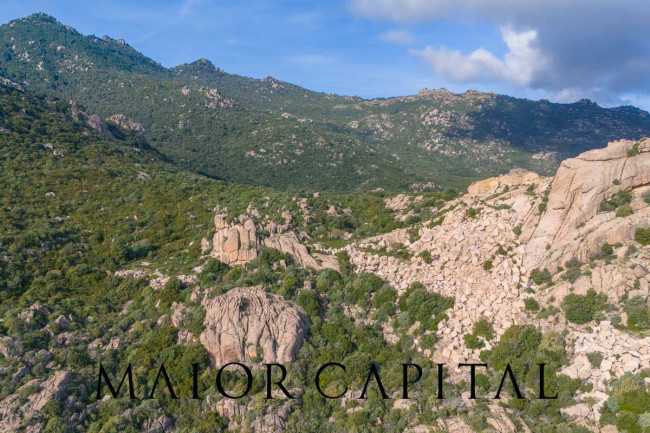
(490, 240)
(250, 325)
(127, 124)
(238, 243)
(234, 244)
(573, 224)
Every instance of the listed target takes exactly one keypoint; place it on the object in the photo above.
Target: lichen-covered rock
(250, 325)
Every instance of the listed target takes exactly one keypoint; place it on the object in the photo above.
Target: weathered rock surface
(516, 176)
(91, 120)
(571, 226)
(250, 325)
(290, 244)
(572, 222)
(14, 411)
(238, 243)
(234, 244)
(127, 124)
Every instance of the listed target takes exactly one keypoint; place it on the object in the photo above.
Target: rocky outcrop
(573, 223)
(290, 244)
(234, 244)
(237, 243)
(476, 257)
(250, 325)
(127, 124)
(91, 120)
(514, 177)
(14, 411)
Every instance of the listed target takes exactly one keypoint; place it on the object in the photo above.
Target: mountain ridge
(273, 133)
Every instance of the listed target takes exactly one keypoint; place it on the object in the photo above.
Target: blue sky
(554, 49)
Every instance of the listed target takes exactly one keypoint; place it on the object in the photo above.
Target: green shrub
(624, 210)
(619, 199)
(595, 359)
(385, 299)
(638, 314)
(484, 329)
(627, 422)
(607, 249)
(531, 304)
(472, 212)
(473, 342)
(634, 150)
(517, 230)
(632, 249)
(646, 196)
(424, 306)
(540, 277)
(642, 236)
(487, 265)
(426, 256)
(581, 309)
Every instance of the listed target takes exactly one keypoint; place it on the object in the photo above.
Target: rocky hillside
(269, 132)
(568, 255)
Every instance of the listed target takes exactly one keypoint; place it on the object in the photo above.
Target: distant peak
(42, 17)
(200, 64)
(107, 38)
(585, 101)
(428, 92)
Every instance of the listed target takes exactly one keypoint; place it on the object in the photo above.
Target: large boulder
(234, 244)
(516, 176)
(290, 244)
(250, 325)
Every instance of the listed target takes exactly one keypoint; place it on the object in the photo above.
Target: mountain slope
(269, 132)
(197, 126)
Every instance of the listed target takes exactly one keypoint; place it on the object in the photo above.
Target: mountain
(111, 254)
(273, 133)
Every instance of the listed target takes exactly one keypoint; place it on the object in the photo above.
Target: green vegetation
(472, 212)
(638, 313)
(531, 304)
(628, 406)
(572, 272)
(620, 199)
(481, 332)
(634, 150)
(540, 277)
(272, 133)
(426, 256)
(642, 236)
(582, 308)
(419, 305)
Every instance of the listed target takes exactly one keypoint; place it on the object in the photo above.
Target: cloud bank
(592, 48)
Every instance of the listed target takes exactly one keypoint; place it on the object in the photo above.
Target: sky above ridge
(562, 50)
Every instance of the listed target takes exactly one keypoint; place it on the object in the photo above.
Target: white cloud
(398, 37)
(596, 47)
(520, 65)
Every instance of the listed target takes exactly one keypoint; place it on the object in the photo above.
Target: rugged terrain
(113, 252)
(269, 132)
